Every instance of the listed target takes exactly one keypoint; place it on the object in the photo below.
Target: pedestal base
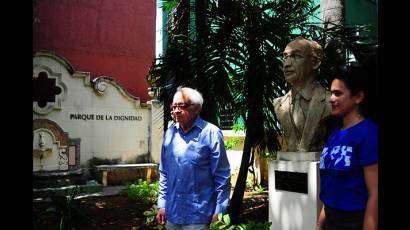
(294, 186)
(299, 156)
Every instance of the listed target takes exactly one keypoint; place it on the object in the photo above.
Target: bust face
(298, 63)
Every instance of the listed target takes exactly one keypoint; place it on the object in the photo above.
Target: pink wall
(113, 38)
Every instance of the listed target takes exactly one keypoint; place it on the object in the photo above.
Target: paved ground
(234, 158)
(106, 191)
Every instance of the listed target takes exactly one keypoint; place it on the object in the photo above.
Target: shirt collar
(307, 91)
(199, 122)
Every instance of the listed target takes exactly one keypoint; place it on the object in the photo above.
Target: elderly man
(303, 110)
(194, 170)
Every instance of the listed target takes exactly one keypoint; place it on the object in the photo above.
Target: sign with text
(108, 123)
(99, 117)
(291, 181)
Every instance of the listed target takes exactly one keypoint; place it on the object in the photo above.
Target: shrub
(223, 223)
(143, 191)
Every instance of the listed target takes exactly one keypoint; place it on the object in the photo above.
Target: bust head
(301, 58)
(303, 111)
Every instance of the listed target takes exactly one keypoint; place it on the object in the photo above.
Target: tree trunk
(237, 197)
(332, 11)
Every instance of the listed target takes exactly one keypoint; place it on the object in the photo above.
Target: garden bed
(119, 212)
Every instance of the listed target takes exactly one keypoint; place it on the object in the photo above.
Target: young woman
(349, 160)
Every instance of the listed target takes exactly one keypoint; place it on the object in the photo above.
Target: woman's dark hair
(354, 77)
(360, 78)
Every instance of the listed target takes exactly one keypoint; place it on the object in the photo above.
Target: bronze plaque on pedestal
(291, 181)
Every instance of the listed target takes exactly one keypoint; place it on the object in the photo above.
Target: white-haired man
(194, 169)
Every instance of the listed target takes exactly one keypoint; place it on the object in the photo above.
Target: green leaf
(227, 219)
(220, 216)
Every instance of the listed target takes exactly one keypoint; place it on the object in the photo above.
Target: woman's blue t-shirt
(342, 183)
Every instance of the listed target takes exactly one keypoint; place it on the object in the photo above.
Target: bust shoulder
(281, 104)
(277, 101)
(321, 92)
(280, 100)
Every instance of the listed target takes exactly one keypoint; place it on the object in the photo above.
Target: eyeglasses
(180, 106)
(294, 56)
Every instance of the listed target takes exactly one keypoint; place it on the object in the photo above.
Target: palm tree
(231, 52)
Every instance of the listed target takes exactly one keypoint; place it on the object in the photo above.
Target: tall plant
(231, 51)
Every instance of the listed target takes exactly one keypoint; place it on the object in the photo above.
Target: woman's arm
(322, 218)
(371, 214)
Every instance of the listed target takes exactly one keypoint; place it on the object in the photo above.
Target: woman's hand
(321, 220)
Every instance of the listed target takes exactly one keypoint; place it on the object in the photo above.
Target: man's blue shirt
(194, 174)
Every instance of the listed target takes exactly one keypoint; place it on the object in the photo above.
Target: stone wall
(106, 121)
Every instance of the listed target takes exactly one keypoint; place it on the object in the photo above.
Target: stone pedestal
(294, 186)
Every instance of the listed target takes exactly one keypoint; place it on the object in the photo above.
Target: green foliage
(150, 217)
(66, 209)
(169, 5)
(151, 214)
(259, 189)
(143, 191)
(231, 52)
(232, 142)
(224, 223)
(238, 127)
(147, 193)
(253, 225)
(249, 184)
